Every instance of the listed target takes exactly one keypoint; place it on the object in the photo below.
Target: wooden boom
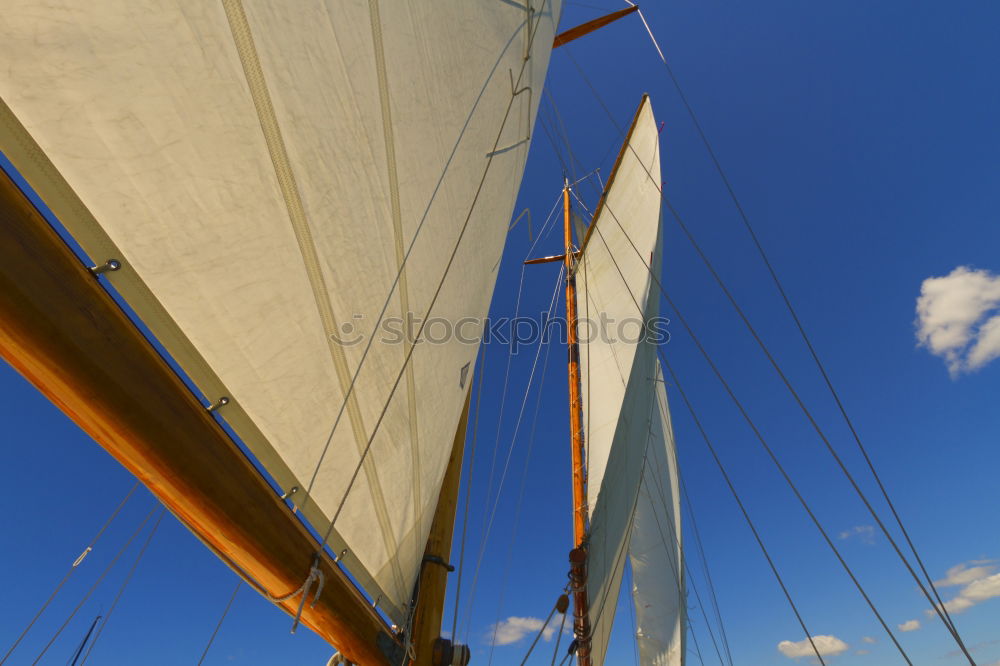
(590, 26)
(65, 334)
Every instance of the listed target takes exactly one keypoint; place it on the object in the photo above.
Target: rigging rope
(423, 323)
(487, 521)
(540, 632)
(468, 489)
(121, 589)
(753, 427)
(527, 460)
(937, 607)
(218, 625)
(708, 575)
(517, 426)
(630, 578)
(388, 299)
(743, 509)
(93, 587)
(942, 611)
(69, 572)
(562, 628)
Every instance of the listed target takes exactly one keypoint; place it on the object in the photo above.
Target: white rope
(315, 576)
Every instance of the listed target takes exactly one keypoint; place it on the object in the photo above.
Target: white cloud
(869, 640)
(909, 625)
(958, 318)
(963, 574)
(979, 584)
(825, 645)
(866, 533)
(514, 629)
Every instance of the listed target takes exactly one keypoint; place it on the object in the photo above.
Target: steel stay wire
(802, 332)
(517, 427)
(532, 29)
(430, 307)
(218, 625)
(938, 608)
(121, 589)
(527, 460)
(71, 570)
(704, 564)
(663, 501)
(468, 489)
(487, 522)
(760, 438)
(96, 583)
(732, 489)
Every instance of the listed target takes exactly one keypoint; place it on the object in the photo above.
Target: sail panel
(618, 361)
(655, 549)
(261, 170)
(614, 277)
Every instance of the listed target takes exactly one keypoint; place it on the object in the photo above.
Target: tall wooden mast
(432, 584)
(578, 556)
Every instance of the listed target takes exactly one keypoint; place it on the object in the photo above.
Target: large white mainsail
(260, 169)
(622, 386)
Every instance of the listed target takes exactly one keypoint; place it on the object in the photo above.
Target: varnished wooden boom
(63, 332)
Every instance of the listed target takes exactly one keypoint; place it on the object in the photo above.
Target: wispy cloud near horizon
(979, 583)
(514, 629)
(825, 645)
(864, 533)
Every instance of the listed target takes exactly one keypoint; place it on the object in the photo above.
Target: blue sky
(862, 141)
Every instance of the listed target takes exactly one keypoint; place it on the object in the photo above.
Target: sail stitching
(247, 50)
(397, 229)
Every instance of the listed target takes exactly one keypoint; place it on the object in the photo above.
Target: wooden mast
(578, 556)
(433, 580)
(66, 335)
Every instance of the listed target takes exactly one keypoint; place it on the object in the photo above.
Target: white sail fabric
(618, 360)
(655, 548)
(261, 169)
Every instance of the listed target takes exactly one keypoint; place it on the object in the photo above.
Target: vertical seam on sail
(247, 50)
(397, 228)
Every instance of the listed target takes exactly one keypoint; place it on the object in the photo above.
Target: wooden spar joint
(108, 266)
(590, 26)
(581, 619)
(553, 258)
(448, 654)
(546, 260)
